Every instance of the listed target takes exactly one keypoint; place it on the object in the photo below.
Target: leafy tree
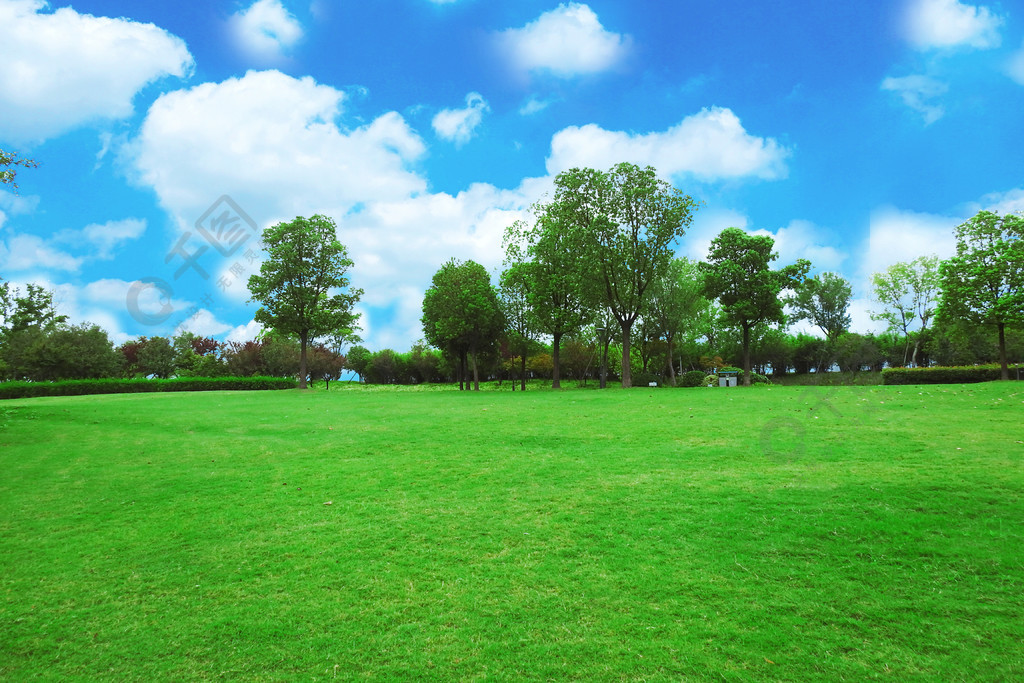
(984, 282)
(77, 352)
(908, 291)
(545, 260)
(738, 274)
(461, 313)
(514, 297)
(196, 356)
(675, 299)
(156, 357)
(358, 360)
(325, 364)
(627, 221)
(824, 301)
(245, 359)
(33, 309)
(853, 351)
(9, 162)
(302, 286)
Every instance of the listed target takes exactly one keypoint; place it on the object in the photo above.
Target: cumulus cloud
(919, 92)
(932, 24)
(896, 236)
(244, 333)
(1011, 201)
(457, 125)
(62, 70)
(21, 253)
(709, 145)
(803, 239)
(265, 30)
(104, 238)
(273, 143)
(565, 42)
(203, 323)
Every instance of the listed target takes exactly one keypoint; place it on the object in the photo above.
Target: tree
(514, 295)
(739, 276)
(76, 352)
(676, 297)
(546, 257)
(9, 161)
(156, 357)
(824, 301)
(908, 291)
(984, 282)
(461, 313)
(302, 285)
(627, 221)
(358, 360)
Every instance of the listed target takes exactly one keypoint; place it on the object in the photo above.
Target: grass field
(782, 533)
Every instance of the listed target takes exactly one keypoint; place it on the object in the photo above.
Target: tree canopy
(984, 282)
(302, 287)
(908, 292)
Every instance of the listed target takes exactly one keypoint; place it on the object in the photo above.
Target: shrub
(941, 375)
(710, 381)
(754, 378)
(643, 379)
(693, 378)
(132, 386)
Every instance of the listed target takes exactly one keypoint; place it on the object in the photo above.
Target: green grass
(786, 533)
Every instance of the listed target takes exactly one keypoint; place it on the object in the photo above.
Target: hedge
(79, 387)
(939, 375)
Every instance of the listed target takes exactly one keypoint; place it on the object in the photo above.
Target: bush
(754, 378)
(940, 375)
(710, 381)
(643, 379)
(133, 386)
(693, 378)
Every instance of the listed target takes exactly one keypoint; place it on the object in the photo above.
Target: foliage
(156, 358)
(675, 300)
(824, 301)
(738, 274)
(944, 375)
(644, 379)
(908, 292)
(984, 282)
(9, 163)
(627, 222)
(302, 287)
(461, 313)
(79, 387)
(693, 378)
(854, 351)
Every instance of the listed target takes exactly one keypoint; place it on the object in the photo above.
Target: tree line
(594, 272)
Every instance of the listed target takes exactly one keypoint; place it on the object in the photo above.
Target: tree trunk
(1002, 350)
(746, 355)
(522, 375)
(556, 382)
(671, 368)
(476, 373)
(302, 360)
(627, 372)
(462, 369)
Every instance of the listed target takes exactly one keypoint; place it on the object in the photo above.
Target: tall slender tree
(908, 292)
(738, 273)
(303, 287)
(628, 222)
(984, 282)
(676, 297)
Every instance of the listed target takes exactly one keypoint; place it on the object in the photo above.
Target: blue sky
(856, 134)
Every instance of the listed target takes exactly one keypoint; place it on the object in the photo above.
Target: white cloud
(566, 41)
(273, 143)
(533, 106)
(244, 333)
(918, 93)
(457, 125)
(106, 237)
(63, 69)
(203, 323)
(898, 236)
(803, 239)
(949, 23)
(265, 30)
(709, 145)
(1011, 201)
(21, 253)
(1015, 66)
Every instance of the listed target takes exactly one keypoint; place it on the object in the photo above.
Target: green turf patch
(791, 533)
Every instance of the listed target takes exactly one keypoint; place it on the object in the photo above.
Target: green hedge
(78, 387)
(956, 375)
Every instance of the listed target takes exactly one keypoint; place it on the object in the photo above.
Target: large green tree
(303, 286)
(628, 223)
(514, 295)
(738, 273)
(984, 283)
(824, 301)
(546, 258)
(908, 292)
(461, 313)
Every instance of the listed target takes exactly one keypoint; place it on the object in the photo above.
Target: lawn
(772, 533)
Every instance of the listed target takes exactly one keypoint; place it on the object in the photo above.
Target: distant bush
(754, 378)
(693, 378)
(643, 379)
(940, 375)
(133, 386)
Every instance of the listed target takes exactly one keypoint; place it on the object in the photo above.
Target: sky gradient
(856, 134)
